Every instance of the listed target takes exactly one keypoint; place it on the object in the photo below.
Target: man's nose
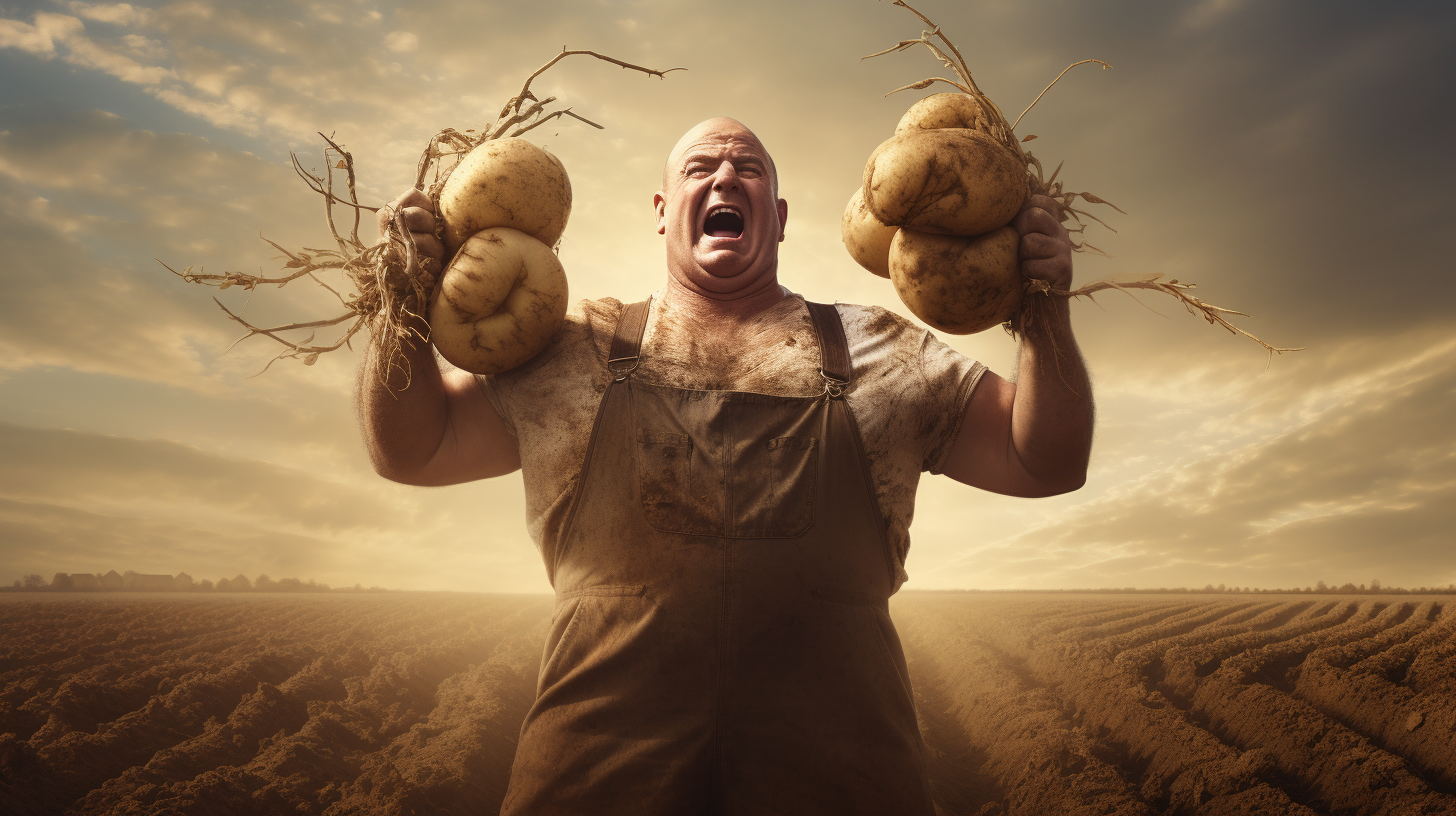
(726, 178)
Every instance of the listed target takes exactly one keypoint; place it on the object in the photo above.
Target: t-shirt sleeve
(950, 377)
(912, 388)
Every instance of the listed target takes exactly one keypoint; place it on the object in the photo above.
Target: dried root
(389, 284)
(993, 123)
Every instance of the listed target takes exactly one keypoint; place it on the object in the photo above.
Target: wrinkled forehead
(715, 137)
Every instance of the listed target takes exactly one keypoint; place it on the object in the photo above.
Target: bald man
(721, 479)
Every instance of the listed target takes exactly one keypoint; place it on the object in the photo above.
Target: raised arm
(440, 429)
(1032, 437)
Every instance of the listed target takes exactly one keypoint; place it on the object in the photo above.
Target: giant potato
(500, 301)
(942, 110)
(953, 181)
(958, 284)
(506, 182)
(867, 240)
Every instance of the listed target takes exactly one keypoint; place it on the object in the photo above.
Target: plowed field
(403, 703)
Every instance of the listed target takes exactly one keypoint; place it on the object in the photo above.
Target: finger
(1034, 245)
(1037, 220)
(414, 198)
(1044, 202)
(428, 245)
(419, 219)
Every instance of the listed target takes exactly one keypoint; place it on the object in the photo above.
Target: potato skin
(500, 301)
(942, 110)
(506, 182)
(867, 240)
(960, 285)
(953, 181)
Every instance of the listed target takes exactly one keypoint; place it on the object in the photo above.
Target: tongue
(724, 233)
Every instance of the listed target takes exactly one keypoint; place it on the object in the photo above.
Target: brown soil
(1029, 704)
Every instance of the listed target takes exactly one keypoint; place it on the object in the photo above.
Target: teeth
(717, 210)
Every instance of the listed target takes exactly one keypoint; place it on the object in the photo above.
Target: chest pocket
(762, 489)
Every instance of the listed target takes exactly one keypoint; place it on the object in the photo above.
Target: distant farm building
(112, 582)
(85, 582)
(61, 582)
(138, 582)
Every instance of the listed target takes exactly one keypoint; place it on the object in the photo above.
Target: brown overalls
(721, 643)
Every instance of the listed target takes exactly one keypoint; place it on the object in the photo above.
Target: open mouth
(723, 222)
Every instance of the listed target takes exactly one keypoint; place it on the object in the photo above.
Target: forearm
(1052, 414)
(404, 417)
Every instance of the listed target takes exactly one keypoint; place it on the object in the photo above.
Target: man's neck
(706, 308)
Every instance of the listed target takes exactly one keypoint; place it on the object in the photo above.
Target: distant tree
(1319, 586)
(1222, 588)
(264, 584)
(1348, 588)
(1208, 587)
(1374, 584)
(205, 586)
(33, 581)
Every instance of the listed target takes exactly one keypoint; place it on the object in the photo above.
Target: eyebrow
(701, 157)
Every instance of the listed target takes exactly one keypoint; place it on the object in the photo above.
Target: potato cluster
(503, 295)
(932, 215)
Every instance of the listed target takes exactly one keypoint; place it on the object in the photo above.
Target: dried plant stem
(1036, 290)
(390, 283)
(1104, 65)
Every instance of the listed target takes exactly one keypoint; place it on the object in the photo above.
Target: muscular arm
(440, 429)
(1032, 437)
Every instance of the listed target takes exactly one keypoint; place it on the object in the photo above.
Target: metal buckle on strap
(833, 386)
(620, 374)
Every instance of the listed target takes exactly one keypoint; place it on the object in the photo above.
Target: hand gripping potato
(867, 240)
(482, 179)
(954, 181)
(952, 178)
(500, 301)
(958, 284)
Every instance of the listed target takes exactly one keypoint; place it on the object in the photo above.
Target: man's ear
(659, 203)
(783, 218)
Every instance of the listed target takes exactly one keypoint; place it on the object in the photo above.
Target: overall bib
(721, 642)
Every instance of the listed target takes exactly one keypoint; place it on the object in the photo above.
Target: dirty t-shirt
(908, 396)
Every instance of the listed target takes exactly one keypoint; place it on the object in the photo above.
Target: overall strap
(627, 342)
(834, 364)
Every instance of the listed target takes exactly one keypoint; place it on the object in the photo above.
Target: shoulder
(876, 334)
(875, 321)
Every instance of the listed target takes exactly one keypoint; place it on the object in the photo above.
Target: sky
(1292, 158)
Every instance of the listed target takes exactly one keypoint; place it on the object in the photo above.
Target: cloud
(401, 42)
(89, 203)
(32, 39)
(159, 477)
(1364, 459)
(121, 14)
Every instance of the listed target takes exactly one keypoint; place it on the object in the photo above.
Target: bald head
(717, 131)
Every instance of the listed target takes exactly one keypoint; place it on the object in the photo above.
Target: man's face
(720, 211)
